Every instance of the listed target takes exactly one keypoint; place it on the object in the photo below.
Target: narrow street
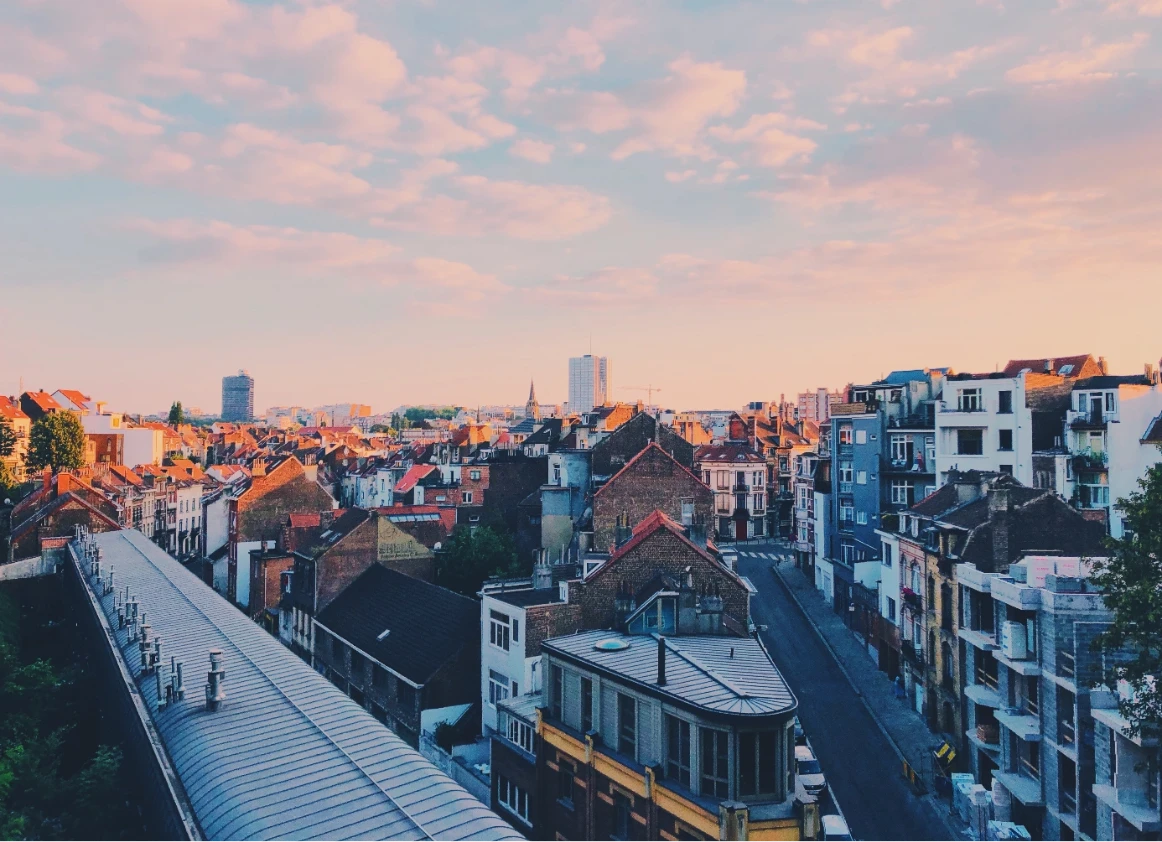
(861, 765)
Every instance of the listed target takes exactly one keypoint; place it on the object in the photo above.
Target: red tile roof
(78, 398)
(11, 410)
(44, 400)
(1015, 367)
(729, 452)
(412, 477)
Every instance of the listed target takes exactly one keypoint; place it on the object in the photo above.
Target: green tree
(380, 428)
(1131, 581)
(176, 415)
(472, 555)
(56, 441)
(399, 422)
(7, 445)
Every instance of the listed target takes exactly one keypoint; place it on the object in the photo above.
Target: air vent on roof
(383, 634)
(611, 644)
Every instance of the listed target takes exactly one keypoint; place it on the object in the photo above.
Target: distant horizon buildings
(238, 397)
(590, 382)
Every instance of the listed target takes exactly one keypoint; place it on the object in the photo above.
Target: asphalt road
(861, 765)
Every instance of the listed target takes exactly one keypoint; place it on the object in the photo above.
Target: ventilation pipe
(661, 661)
(215, 682)
(143, 644)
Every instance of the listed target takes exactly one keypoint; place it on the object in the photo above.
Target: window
(715, 777)
(970, 442)
(861, 478)
(512, 797)
(556, 691)
(474, 474)
(1093, 490)
(1004, 440)
(497, 687)
(902, 492)
(758, 502)
(622, 823)
(723, 479)
(900, 449)
(1006, 469)
(846, 512)
(756, 763)
(678, 750)
(1005, 402)
(405, 695)
(845, 472)
(861, 518)
(968, 400)
(891, 610)
(586, 705)
(467, 497)
(861, 436)
(520, 733)
(565, 774)
(498, 634)
(706, 477)
(845, 435)
(758, 478)
(886, 553)
(627, 725)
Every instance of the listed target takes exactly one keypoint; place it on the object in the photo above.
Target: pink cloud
(771, 146)
(1093, 62)
(17, 85)
(532, 150)
(36, 141)
(1145, 8)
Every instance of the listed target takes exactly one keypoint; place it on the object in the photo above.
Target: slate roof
(700, 671)
(648, 526)
(734, 452)
(288, 755)
(1015, 367)
(428, 625)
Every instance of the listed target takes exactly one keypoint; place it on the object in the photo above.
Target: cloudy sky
(393, 200)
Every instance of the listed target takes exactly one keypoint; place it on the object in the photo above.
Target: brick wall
(265, 580)
(475, 487)
(271, 498)
(543, 622)
(612, 453)
(653, 481)
(660, 552)
(341, 565)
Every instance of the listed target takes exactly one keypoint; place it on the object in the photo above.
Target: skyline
(396, 204)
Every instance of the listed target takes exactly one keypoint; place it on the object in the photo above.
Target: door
(740, 529)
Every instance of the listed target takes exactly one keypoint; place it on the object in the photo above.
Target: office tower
(238, 397)
(590, 382)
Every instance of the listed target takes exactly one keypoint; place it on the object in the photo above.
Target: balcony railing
(986, 678)
(1029, 769)
(912, 599)
(846, 487)
(1068, 803)
(1066, 733)
(846, 525)
(1066, 665)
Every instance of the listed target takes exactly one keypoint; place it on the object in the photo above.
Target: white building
(509, 659)
(140, 445)
(590, 382)
(889, 576)
(824, 572)
(1108, 434)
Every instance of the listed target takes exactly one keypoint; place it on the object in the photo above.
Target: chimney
(46, 478)
(661, 661)
(542, 573)
(1101, 364)
(258, 467)
(1000, 514)
(326, 519)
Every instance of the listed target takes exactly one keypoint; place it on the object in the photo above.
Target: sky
(391, 201)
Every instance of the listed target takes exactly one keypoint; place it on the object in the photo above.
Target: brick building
(651, 481)
(399, 646)
(52, 511)
(657, 547)
(612, 453)
(258, 514)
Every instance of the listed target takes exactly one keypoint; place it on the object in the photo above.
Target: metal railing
(1066, 732)
(1066, 664)
(1029, 769)
(984, 677)
(1068, 802)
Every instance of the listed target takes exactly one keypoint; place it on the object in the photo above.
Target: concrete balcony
(970, 577)
(1027, 667)
(1131, 806)
(986, 740)
(1015, 594)
(985, 641)
(1026, 726)
(1025, 789)
(984, 695)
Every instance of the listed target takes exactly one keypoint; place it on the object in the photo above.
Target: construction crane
(649, 390)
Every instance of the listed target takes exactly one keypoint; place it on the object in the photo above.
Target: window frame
(714, 762)
(627, 732)
(678, 768)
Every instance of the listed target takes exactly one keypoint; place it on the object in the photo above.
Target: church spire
(532, 408)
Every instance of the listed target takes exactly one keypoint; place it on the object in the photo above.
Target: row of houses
(931, 499)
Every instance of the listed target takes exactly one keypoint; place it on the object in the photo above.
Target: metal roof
(287, 755)
(716, 673)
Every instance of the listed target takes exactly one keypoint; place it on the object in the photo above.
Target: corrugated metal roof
(287, 756)
(713, 672)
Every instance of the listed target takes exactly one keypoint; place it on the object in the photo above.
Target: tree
(1131, 582)
(380, 428)
(176, 415)
(472, 555)
(7, 445)
(56, 441)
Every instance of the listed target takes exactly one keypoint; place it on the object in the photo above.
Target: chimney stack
(661, 661)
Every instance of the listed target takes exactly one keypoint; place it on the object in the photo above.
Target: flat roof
(287, 755)
(717, 673)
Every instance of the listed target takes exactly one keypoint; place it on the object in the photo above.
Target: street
(862, 767)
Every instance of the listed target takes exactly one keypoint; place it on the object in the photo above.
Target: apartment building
(738, 477)
(647, 737)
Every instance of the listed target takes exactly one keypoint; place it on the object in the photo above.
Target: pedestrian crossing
(769, 556)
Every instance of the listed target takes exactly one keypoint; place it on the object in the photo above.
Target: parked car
(835, 827)
(800, 736)
(808, 770)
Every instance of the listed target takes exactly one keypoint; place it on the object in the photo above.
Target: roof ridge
(694, 662)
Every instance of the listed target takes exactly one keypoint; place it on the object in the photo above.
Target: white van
(808, 770)
(834, 827)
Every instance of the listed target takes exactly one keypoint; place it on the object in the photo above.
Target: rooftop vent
(215, 682)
